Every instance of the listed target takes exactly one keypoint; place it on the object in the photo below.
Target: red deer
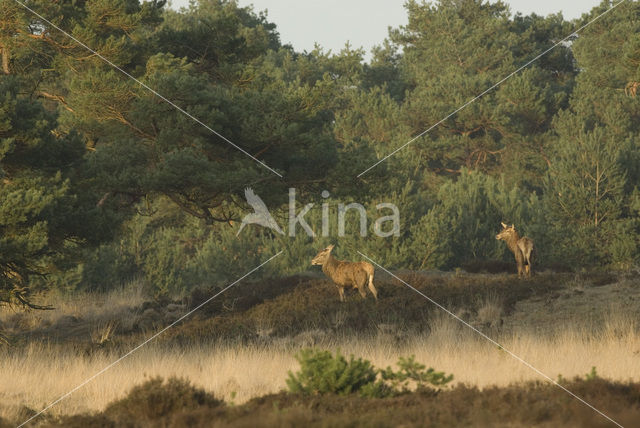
(346, 274)
(520, 247)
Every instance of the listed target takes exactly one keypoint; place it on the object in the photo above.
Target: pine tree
(37, 209)
(454, 50)
(594, 165)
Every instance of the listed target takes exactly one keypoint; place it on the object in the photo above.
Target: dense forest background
(104, 183)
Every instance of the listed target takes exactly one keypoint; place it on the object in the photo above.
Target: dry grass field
(565, 327)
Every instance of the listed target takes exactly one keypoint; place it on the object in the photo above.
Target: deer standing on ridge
(520, 247)
(346, 274)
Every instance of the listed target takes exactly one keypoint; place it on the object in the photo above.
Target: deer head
(506, 232)
(322, 256)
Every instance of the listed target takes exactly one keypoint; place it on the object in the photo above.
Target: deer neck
(330, 265)
(512, 241)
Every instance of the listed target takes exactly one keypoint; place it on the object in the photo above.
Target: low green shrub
(322, 373)
(412, 374)
(592, 375)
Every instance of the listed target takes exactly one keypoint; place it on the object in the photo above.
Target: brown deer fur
(520, 247)
(346, 274)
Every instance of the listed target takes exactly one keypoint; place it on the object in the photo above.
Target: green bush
(164, 264)
(412, 374)
(592, 375)
(322, 373)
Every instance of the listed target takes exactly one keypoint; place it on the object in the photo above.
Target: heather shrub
(156, 399)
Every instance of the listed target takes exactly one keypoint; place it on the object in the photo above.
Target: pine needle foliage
(323, 373)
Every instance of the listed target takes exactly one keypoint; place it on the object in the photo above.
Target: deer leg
(359, 284)
(520, 260)
(520, 273)
(363, 292)
(341, 291)
(359, 281)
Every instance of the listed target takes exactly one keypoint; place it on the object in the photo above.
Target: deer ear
(330, 247)
(513, 226)
(503, 225)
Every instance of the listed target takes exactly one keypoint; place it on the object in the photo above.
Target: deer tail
(370, 272)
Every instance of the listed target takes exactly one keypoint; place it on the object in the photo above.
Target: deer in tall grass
(346, 274)
(520, 247)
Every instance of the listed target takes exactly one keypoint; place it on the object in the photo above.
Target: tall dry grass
(81, 304)
(42, 373)
(92, 317)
